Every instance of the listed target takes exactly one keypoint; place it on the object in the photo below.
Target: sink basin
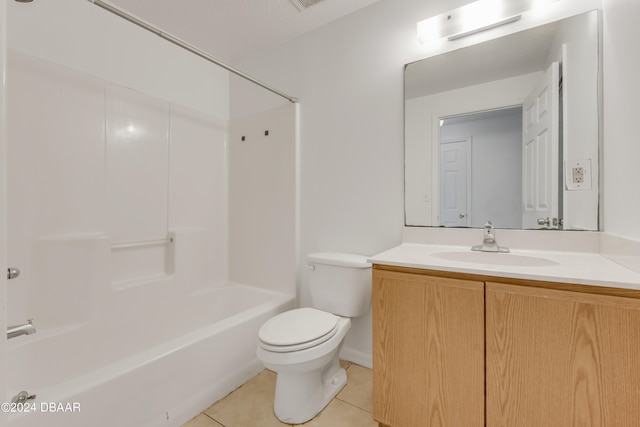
(494, 258)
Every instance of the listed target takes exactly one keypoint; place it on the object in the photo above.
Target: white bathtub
(156, 369)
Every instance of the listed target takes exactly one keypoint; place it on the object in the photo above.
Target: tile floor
(251, 405)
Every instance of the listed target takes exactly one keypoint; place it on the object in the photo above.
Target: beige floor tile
(250, 405)
(359, 389)
(341, 414)
(202, 421)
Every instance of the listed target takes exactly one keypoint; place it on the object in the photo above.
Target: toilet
(303, 345)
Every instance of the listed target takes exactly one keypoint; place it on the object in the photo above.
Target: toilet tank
(340, 283)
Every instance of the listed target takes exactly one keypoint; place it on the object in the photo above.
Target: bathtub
(160, 369)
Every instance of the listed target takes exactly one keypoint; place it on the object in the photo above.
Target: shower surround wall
(263, 199)
(75, 173)
(93, 166)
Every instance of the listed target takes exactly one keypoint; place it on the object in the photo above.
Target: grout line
(211, 418)
(352, 405)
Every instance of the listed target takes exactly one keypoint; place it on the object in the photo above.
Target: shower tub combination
(158, 369)
(129, 334)
(131, 331)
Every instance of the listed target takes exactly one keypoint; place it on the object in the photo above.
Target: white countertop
(584, 268)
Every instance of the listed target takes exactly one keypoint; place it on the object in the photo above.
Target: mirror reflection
(507, 131)
(496, 136)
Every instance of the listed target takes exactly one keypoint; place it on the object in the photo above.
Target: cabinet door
(560, 358)
(428, 351)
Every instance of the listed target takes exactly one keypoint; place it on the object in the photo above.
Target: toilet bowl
(307, 377)
(303, 345)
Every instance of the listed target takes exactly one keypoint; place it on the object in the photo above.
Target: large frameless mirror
(506, 130)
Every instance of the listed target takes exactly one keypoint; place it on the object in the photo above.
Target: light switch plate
(577, 175)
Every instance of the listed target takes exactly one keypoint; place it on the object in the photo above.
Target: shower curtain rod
(176, 41)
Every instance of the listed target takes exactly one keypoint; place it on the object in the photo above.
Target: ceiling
(233, 29)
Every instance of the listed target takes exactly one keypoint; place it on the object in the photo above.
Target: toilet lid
(297, 329)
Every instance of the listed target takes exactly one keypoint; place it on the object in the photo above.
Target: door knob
(462, 215)
(544, 221)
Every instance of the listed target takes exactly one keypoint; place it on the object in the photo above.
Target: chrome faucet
(17, 330)
(489, 243)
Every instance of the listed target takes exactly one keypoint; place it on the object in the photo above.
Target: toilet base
(301, 396)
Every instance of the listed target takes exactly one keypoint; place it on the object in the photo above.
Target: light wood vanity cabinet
(561, 358)
(428, 353)
(554, 356)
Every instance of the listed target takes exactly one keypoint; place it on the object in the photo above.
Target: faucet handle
(22, 397)
(489, 243)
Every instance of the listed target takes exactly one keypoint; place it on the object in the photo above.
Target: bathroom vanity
(524, 339)
(549, 334)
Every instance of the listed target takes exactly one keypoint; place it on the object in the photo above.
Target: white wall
(621, 109)
(349, 78)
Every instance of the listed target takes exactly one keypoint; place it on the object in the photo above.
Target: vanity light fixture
(485, 28)
(473, 18)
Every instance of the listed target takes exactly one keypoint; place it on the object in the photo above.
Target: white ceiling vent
(304, 4)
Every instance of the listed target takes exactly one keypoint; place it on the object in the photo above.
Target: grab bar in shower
(167, 241)
(24, 329)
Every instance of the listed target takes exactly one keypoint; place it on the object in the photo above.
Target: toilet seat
(297, 330)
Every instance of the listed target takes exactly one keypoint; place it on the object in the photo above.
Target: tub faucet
(24, 329)
(489, 243)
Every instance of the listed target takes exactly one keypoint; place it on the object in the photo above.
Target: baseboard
(357, 357)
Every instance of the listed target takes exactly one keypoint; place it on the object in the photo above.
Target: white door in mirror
(455, 183)
(540, 138)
